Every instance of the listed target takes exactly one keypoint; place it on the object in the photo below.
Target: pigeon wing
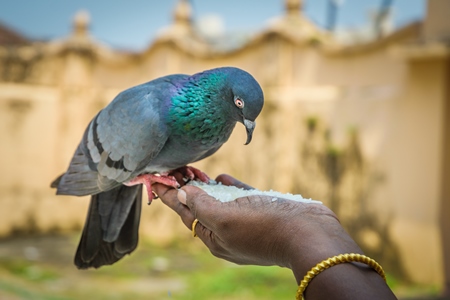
(121, 140)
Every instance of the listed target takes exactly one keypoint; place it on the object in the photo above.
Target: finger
(229, 180)
(204, 207)
(169, 197)
(165, 192)
(205, 235)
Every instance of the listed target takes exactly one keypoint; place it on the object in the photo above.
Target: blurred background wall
(363, 127)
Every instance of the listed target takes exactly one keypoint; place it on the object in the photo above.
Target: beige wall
(414, 163)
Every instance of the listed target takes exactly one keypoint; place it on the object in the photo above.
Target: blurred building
(364, 128)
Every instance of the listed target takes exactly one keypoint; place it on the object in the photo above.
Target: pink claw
(166, 179)
(192, 173)
(149, 179)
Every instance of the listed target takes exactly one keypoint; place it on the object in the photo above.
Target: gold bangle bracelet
(335, 260)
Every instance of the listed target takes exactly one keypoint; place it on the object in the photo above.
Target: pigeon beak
(249, 126)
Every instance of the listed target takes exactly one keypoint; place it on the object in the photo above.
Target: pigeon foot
(191, 173)
(149, 179)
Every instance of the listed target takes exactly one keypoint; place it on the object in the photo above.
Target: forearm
(342, 281)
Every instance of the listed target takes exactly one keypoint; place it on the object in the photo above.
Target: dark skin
(258, 231)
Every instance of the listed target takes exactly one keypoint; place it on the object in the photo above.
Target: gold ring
(194, 234)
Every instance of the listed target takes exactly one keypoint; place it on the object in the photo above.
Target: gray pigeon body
(155, 127)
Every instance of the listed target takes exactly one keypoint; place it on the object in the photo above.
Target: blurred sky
(132, 24)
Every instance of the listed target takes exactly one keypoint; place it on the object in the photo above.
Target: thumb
(202, 206)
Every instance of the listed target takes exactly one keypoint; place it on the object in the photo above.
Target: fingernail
(181, 196)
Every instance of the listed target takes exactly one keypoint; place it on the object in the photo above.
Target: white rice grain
(226, 193)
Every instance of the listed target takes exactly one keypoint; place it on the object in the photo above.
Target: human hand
(254, 229)
(257, 230)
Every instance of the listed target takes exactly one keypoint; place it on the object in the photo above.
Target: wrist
(322, 237)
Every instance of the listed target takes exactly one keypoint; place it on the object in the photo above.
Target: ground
(40, 267)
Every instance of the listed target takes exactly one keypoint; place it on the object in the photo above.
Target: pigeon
(142, 137)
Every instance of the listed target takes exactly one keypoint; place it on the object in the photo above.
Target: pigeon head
(245, 100)
(207, 105)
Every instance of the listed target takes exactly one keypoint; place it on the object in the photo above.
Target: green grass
(28, 271)
(246, 282)
(183, 270)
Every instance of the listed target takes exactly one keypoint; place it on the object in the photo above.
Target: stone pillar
(436, 25)
(436, 29)
(445, 193)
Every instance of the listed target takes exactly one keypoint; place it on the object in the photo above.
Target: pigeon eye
(239, 103)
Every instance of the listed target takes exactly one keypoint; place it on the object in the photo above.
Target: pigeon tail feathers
(111, 229)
